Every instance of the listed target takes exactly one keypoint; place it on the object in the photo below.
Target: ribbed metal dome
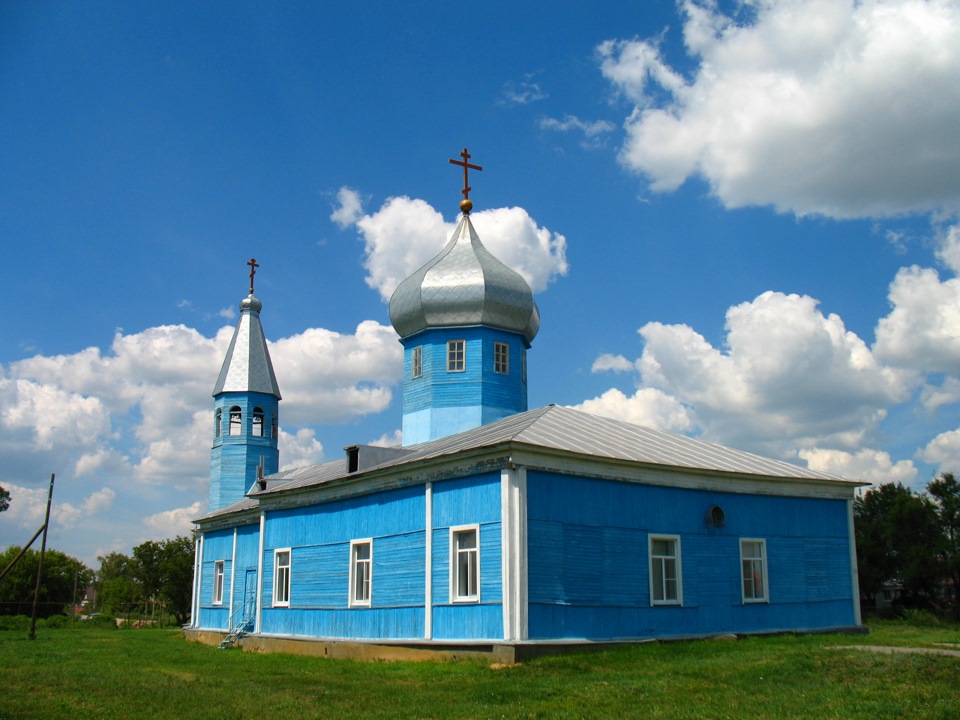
(464, 285)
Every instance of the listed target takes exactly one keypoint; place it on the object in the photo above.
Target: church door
(250, 596)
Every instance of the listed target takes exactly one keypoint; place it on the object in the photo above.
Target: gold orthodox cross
(466, 205)
(253, 271)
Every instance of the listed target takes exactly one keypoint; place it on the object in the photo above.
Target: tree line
(156, 573)
(910, 542)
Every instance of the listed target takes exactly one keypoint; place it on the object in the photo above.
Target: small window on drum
(258, 422)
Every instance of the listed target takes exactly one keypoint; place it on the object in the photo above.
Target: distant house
(496, 528)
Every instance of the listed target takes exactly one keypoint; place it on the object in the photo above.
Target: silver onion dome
(462, 286)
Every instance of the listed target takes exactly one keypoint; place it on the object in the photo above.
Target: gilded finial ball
(466, 206)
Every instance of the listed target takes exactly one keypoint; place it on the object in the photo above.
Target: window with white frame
(258, 422)
(501, 358)
(456, 355)
(666, 587)
(465, 564)
(753, 570)
(281, 578)
(361, 567)
(416, 362)
(218, 582)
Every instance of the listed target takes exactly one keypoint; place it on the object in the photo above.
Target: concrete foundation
(494, 653)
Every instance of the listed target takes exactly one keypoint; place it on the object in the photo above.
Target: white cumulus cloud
(172, 523)
(788, 377)
(299, 449)
(868, 465)
(330, 376)
(349, 208)
(647, 406)
(404, 234)
(844, 109)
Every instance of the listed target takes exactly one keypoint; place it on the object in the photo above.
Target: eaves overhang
(514, 454)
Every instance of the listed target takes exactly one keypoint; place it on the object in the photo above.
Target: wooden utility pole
(43, 549)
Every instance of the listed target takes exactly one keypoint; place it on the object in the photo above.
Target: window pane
(416, 362)
(467, 539)
(657, 569)
(662, 548)
(466, 581)
(501, 358)
(455, 356)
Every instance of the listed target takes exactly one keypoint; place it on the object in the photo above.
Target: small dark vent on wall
(715, 517)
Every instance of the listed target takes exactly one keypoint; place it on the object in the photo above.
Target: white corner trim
(428, 563)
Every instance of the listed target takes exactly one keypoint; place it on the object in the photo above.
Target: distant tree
(146, 568)
(62, 575)
(897, 535)
(4, 499)
(945, 491)
(165, 572)
(116, 583)
(176, 566)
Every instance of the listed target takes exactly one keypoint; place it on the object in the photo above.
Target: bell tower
(245, 414)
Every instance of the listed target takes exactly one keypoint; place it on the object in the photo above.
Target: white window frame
(456, 591)
(501, 358)
(416, 362)
(456, 349)
(282, 599)
(661, 561)
(748, 567)
(355, 564)
(218, 582)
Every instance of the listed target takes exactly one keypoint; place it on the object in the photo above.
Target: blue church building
(494, 528)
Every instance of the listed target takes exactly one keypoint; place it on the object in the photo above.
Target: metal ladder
(238, 631)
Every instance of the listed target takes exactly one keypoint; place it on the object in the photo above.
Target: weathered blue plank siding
(248, 545)
(217, 545)
(319, 537)
(589, 568)
(368, 624)
(468, 501)
(441, 403)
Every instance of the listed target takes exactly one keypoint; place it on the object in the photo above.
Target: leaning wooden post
(43, 549)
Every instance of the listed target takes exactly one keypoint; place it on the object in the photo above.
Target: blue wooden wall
(217, 545)
(468, 501)
(589, 567)
(319, 537)
(441, 403)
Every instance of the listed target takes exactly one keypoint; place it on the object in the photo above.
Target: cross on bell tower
(253, 271)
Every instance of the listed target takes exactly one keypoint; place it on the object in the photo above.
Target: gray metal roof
(464, 285)
(575, 432)
(247, 366)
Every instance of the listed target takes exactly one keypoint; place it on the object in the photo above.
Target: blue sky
(740, 221)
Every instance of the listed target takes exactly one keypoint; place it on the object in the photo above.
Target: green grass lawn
(98, 672)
